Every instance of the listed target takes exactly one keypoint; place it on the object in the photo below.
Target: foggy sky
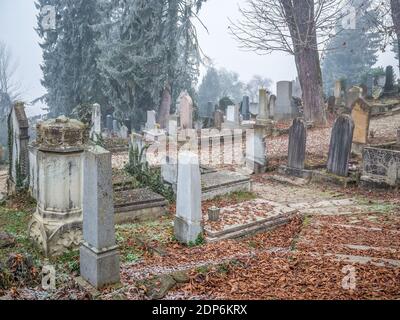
(18, 20)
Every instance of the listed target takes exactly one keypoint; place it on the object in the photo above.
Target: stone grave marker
(256, 155)
(340, 146)
(99, 255)
(123, 132)
(18, 137)
(361, 115)
(246, 108)
(109, 123)
(151, 120)
(188, 220)
(95, 131)
(285, 108)
(263, 103)
(297, 144)
(115, 126)
(353, 94)
(232, 114)
(186, 111)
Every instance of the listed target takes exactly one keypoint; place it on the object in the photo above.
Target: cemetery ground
(340, 243)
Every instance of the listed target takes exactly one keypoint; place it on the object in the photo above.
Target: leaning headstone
(188, 220)
(246, 108)
(99, 255)
(340, 146)
(186, 111)
(297, 144)
(18, 138)
(361, 115)
(95, 131)
(151, 120)
(256, 154)
(285, 108)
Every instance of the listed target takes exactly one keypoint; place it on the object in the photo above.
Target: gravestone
(297, 144)
(353, 94)
(99, 256)
(18, 137)
(263, 103)
(128, 124)
(115, 127)
(186, 111)
(151, 120)
(109, 123)
(340, 146)
(246, 108)
(285, 108)
(361, 115)
(338, 93)
(232, 114)
(218, 119)
(95, 131)
(188, 220)
(56, 226)
(254, 108)
(172, 126)
(123, 132)
(272, 106)
(381, 81)
(256, 154)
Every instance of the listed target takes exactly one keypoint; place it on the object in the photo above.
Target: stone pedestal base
(255, 167)
(299, 173)
(99, 268)
(54, 237)
(267, 126)
(186, 232)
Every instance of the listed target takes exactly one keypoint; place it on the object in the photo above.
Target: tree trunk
(309, 71)
(395, 7)
(165, 107)
(300, 19)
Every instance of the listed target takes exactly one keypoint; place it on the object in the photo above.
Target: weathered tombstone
(232, 114)
(218, 119)
(186, 111)
(109, 123)
(381, 81)
(188, 220)
(246, 108)
(389, 79)
(256, 155)
(272, 106)
(353, 94)
(340, 146)
(123, 132)
(18, 138)
(172, 126)
(254, 108)
(115, 126)
(338, 93)
(285, 108)
(297, 144)
(56, 225)
(263, 103)
(95, 131)
(151, 120)
(99, 255)
(361, 115)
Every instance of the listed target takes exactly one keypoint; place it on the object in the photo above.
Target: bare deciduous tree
(298, 27)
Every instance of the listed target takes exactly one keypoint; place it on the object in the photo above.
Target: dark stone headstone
(246, 108)
(340, 146)
(109, 122)
(128, 124)
(297, 144)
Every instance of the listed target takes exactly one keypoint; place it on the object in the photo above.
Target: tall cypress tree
(352, 52)
(70, 54)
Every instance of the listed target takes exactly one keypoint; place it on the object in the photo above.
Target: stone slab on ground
(247, 218)
(138, 205)
(122, 181)
(290, 180)
(322, 176)
(223, 182)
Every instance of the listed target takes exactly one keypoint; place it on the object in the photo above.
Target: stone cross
(99, 256)
(18, 127)
(151, 120)
(95, 131)
(186, 111)
(188, 220)
(361, 115)
(297, 144)
(256, 154)
(340, 146)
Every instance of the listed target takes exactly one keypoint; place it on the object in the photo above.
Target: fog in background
(18, 20)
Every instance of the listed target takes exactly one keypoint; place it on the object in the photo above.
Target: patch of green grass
(199, 241)
(68, 262)
(132, 257)
(203, 269)
(306, 221)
